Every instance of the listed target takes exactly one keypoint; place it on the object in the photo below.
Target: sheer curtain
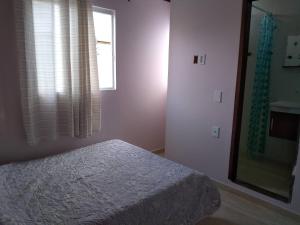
(58, 68)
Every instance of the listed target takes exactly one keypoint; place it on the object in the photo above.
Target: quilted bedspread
(110, 183)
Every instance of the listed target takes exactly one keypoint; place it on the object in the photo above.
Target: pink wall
(134, 113)
(212, 27)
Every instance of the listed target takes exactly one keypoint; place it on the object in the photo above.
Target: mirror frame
(239, 101)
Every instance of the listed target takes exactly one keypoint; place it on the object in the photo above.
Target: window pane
(103, 26)
(105, 65)
(104, 30)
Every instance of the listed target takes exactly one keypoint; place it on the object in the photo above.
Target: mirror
(267, 111)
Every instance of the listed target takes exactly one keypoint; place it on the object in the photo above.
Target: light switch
(218, 95)
(196, 59)
(215, 131)
(202, 59)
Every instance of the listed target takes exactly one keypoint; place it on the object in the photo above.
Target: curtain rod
(261, 9)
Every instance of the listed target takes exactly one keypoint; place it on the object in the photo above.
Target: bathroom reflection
(271, 111)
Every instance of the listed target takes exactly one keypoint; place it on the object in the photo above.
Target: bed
(110, 183)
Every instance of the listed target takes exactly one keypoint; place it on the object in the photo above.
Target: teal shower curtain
(259, 113)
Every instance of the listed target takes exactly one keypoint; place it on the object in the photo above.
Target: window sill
(108, 89)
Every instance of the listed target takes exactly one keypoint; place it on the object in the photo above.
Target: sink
(285, 107)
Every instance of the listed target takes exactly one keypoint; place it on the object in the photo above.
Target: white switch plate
(215, 131)
(218, 95)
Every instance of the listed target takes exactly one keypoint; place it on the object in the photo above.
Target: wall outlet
(215, 131)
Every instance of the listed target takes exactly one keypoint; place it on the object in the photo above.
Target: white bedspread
(110, 183)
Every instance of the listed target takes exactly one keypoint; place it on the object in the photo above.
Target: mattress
(110, 183)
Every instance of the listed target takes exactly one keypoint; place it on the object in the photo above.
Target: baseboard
(158, 151)
(281, 210)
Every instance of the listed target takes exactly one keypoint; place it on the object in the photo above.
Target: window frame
(113, 16)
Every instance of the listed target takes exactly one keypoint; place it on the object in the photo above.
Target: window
(104, 21)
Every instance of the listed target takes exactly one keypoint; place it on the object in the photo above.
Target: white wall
(213, 27)
(135, 112)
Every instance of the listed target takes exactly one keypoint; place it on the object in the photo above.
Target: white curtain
(58, 68)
